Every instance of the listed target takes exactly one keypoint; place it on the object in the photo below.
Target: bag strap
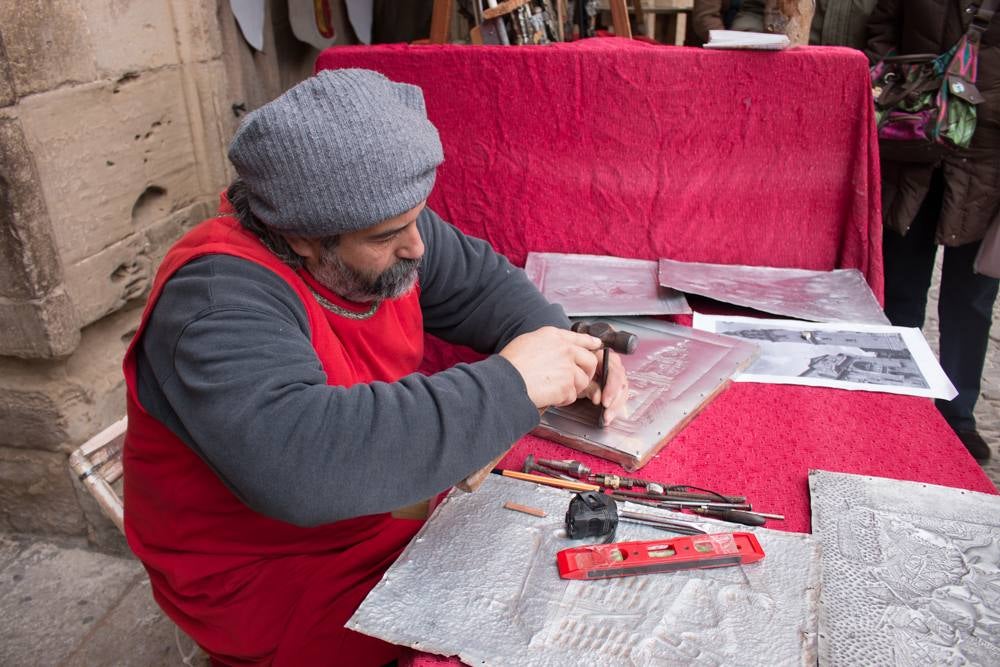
(964, 62)
(981, 21)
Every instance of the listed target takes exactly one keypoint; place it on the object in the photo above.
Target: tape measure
(603, 561)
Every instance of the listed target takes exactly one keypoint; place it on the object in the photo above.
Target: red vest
(251, 589)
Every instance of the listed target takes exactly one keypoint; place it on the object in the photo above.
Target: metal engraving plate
(480, 582)
(841, 295)
(674, 372)
(911, 572)
(586, 285)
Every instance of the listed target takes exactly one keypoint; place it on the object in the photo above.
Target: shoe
(975, 444)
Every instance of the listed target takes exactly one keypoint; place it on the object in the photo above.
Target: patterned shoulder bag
(925, 103)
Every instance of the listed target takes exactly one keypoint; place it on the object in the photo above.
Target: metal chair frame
(98, 464)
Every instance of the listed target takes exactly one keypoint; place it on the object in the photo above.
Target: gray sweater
(226, 364)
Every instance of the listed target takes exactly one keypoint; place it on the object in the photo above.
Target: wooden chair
(98, 464)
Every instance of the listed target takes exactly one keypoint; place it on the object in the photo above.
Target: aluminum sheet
(480, 582)
(911, 572)
(841, 295)
(586, 285)
(674, 373)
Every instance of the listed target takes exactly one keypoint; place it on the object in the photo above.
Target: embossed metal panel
(674, 372)
(841, 295)
(480, 582)
(586, 285)
(911, 572)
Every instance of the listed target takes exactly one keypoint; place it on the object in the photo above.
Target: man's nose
(412, 245)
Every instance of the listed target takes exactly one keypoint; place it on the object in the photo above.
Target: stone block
(31, 266)
(214, 121)
(197, 27)
(52, 598)
(57, 405)
(37, 318)
(45, 46)
(7, 93)
(103, 283)
(111, 158)
(36, 494)
(39, 328)
(130, 36)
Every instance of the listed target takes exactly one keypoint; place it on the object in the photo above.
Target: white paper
(359, 13)
(250, 17)
(739, 39)
(312, 21)
(864, 357)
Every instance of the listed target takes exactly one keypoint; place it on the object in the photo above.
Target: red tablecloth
(615, 147)
(610, 146)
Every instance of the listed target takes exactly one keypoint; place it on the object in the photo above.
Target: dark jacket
(707, 15)
(972, 177)
(835, 23)
(840, 22)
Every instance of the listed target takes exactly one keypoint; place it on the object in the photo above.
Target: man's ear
(308, 249)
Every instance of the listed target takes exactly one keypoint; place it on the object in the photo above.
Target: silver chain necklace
(322, 300)
(343, 312)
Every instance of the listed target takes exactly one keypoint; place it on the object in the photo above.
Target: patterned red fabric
(635, 150)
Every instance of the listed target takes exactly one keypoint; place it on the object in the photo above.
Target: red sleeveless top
(251, 589)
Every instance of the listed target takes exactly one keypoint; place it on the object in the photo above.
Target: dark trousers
(965, 306)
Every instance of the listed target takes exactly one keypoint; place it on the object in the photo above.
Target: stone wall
(114, 121)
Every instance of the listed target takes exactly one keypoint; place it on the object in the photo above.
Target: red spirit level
(601, 561)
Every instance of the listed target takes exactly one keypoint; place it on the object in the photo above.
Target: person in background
(950, 203)
(710, 15)
(835, 23)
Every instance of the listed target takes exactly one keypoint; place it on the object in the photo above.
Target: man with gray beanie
(276, 421)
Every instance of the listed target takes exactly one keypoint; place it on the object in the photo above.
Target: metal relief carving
(586, 285)
(480, 582)
(841, 295)
(674, 373)
(911, 572)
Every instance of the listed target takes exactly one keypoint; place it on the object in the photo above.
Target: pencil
(548, 481)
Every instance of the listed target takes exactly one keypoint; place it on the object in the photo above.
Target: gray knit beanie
(341, 151)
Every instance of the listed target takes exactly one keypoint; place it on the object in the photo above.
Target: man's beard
(360, 286)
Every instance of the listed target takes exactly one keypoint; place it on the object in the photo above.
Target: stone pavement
(61, 604)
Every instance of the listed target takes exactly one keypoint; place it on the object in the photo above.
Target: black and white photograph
(846, 356)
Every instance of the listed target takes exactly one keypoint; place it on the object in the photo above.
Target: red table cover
(608, 146)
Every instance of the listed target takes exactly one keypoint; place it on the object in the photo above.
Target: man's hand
(614, 398)
(556, 365)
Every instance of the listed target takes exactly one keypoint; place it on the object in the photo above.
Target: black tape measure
(591, 514)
